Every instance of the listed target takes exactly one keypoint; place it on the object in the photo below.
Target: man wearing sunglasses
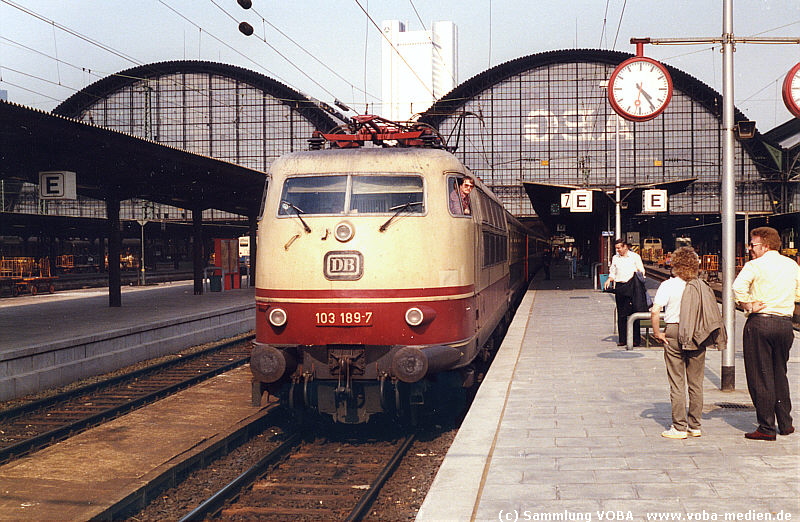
(459, 197)
(767, 288)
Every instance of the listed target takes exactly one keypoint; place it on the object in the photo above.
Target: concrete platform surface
(49, 340)
(49, 318)
(567, 426)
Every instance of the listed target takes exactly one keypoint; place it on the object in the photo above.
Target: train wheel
(51, 288)
(34, 290)
(14, 290)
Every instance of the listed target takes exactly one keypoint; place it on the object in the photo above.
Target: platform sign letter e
(57, 184)
(580, 201)
(655, 200)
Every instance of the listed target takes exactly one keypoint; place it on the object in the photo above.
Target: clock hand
(646, 96)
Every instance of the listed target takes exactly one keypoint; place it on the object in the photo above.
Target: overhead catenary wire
(298, 45)
(73, 32)
(619, 24)
(108, 48)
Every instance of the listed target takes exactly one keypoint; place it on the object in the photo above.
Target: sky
(331, 49)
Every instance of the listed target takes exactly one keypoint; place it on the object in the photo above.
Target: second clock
(639, 89)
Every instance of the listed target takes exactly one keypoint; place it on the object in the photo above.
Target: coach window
(459, 191)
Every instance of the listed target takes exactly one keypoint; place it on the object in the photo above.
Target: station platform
(567, 426)
(48, 340)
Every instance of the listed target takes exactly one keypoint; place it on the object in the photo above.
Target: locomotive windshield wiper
(400, 209)
(289, 205)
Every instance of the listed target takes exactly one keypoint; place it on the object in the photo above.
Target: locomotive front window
(382, 194)
(313, 195)
(352, 194)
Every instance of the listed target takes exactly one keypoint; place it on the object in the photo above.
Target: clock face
(791, 91)
(639, 89)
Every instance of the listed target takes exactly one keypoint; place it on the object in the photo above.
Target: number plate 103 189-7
(343, 318)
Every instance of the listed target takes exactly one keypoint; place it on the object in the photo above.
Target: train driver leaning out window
(459, 196)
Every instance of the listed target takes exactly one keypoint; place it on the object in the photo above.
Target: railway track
(40, 423)
(317, 479)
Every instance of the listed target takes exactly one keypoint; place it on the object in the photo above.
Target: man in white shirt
(624, 265)
(767, 288)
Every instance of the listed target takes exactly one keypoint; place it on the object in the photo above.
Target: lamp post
(617, 196)
(617, 210)
(142, 223)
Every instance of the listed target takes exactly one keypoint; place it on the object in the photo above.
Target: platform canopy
(546, 201)
(108, 163)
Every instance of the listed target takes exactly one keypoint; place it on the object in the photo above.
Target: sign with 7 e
(580, 201)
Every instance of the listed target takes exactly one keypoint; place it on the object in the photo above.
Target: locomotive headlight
(277, 317)
(344, 232)
(418, 316)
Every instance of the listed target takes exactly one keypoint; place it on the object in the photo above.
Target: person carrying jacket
(624, 265)
(701, 324)
(693, 322)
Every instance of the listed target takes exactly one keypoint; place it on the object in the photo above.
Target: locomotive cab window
(352, 194)
(459, 189)
(313, 195)
(381, 194)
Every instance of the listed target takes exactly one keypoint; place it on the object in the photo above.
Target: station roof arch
(125, 160)
(503, 119)
(318, 113)
(122, 158)
(110, 162)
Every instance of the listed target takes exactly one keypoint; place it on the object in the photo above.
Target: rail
(286, 478)
(217, 501)
(40, 423)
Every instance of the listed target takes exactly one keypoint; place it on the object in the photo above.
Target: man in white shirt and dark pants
(767, 288)
(624, 266)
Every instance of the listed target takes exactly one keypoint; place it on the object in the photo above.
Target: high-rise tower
(419, 67)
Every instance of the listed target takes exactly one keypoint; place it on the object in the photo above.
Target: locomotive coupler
(345, 392)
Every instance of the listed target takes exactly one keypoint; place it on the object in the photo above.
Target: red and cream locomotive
(375, 294)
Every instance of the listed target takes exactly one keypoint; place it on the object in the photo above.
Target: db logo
(345, 265)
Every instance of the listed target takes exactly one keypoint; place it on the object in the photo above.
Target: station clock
(791, 91)
(639, 89)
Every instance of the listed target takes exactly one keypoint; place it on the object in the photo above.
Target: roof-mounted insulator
(370, 128)
(316, 141)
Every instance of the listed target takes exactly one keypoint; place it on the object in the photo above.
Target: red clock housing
(791, 91)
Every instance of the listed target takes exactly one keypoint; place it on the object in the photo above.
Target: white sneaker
(694, 433)
(673, 433)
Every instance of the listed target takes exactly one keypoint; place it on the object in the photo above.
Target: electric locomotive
(374, 294)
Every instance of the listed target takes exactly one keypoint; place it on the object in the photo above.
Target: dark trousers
(766, 343)
(624, 298)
